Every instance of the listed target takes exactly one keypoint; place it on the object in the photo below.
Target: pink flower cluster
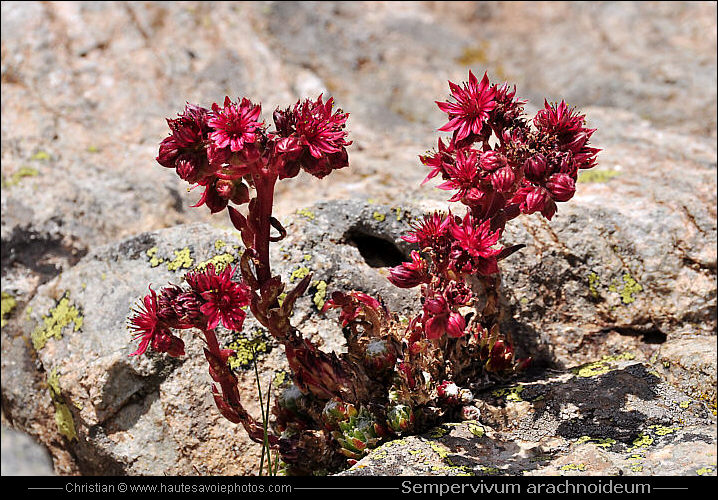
(499, 166)
(224, 149)
(210, 299)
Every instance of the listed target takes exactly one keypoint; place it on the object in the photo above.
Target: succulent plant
(358, 434)
(400, 418)
(398, 376)
(379, 355)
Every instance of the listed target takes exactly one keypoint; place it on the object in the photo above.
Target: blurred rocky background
(625, 272)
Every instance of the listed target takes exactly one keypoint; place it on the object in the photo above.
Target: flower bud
(535, 200)
(503, 179)
(561, 186)
(224, 188)
(188, 169)
(164, 341)
(455, 326)
(491, 161)
(409, 274)
(535, 167)
(168, 153)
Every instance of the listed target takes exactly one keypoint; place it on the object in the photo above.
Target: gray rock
(21, 456)
(611, 417)
(690, 363)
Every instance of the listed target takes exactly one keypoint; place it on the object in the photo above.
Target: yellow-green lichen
(399, 212)
(379, 217)
(182, 260)
(64, 421)
(641, 441)
(280, 378)
(218, 261)
(8, 303)
(630, 288)
(512, 394)
(246, 349)
(305, 212)
(574, 467)
(684, 404)
(154, 260)
(599, 442)
(307, 257)
(593, 282)
(63, 416)
(594, 176)
(637, 468)
(53, 382)
(600, 367)
(438, 432)
(476, 429)
(219, 245)
(705, 471)
(492, 471)
(459, 470)
(56, 320)
(299, 273)
(320, 294)
(18, 176)
(709, 401)
(440, 450)
(662, 430)
(281, 297)
(93, 149)
(41, 156)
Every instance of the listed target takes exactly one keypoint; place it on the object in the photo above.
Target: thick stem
(261, 219)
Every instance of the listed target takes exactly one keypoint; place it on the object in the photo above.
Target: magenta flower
(463, 175)
(184, 149)
(236, 124)
(471, 110)
(223, 298)
(561, 186)
(147, 326)
(439, 160)
(476, 242)
(410, 274)
(320, 131)
(431, 231)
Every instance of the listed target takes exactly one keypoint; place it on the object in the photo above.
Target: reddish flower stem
(261, 216)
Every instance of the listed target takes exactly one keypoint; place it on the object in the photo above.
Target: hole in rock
(377, 252)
